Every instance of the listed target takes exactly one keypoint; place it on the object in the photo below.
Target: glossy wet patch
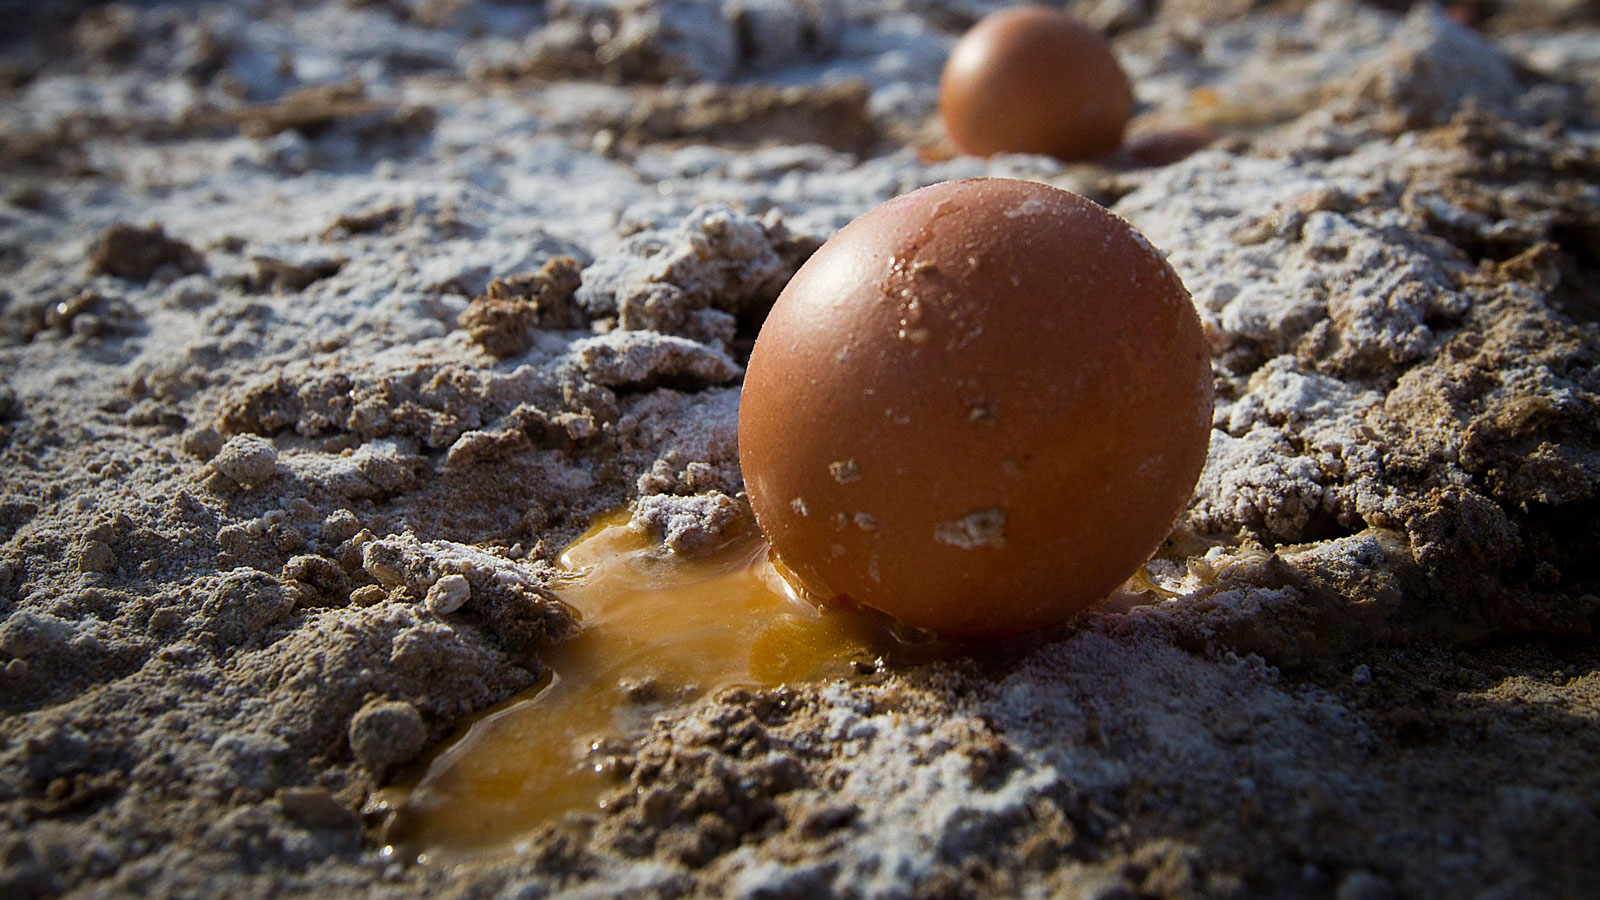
(659, 631)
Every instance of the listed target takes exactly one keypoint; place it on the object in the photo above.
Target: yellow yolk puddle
(658, 631)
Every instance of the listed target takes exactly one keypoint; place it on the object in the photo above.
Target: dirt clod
(246, 459)
(502, 317)
(129, 251)
(385, 734)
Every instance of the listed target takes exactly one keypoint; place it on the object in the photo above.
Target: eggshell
(1034, 80)
(978, 408)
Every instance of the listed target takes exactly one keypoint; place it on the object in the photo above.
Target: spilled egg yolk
(658, 630)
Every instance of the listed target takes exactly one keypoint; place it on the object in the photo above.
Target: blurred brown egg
(1034, 80)
(978, 408)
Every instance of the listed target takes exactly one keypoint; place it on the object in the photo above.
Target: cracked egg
(978, 408)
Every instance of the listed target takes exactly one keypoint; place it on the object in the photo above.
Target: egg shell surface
(978, 408)
(1034, 80)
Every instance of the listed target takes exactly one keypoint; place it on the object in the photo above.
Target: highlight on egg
(1030, 79)
(978, 408)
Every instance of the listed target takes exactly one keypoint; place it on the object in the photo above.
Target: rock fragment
(96, 556)
(1433, 66)
(290, 275)
(340, 525)
(319, 580)
(314, 807)
(203, 442)
(836, 115)
(448, 594)
(128, 251)
(320, 108)
(714, 258)
(501, 318)
(692, 525)
(246, 459)
(241, 604)
(385, 734)
(639, 360)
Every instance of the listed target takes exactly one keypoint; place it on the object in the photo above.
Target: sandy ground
(305, 307)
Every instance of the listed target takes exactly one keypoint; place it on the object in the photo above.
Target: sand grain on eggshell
(299, 396)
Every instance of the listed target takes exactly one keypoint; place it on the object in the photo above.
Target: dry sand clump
(323, 327)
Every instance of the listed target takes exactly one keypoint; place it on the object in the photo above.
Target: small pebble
(202, 443)
(1362, 674)
(192, 292)
(315, 807)
(368, 595)
(96, 556)
(386, 733)
(317, 572)
(448, 593)
(247, 459)
(341, 525)
(235, 539)
(164, 618)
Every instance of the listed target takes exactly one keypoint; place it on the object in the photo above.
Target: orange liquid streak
(686, 627)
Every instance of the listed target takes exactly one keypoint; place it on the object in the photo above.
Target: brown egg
(978, 408)
(1034, 80)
